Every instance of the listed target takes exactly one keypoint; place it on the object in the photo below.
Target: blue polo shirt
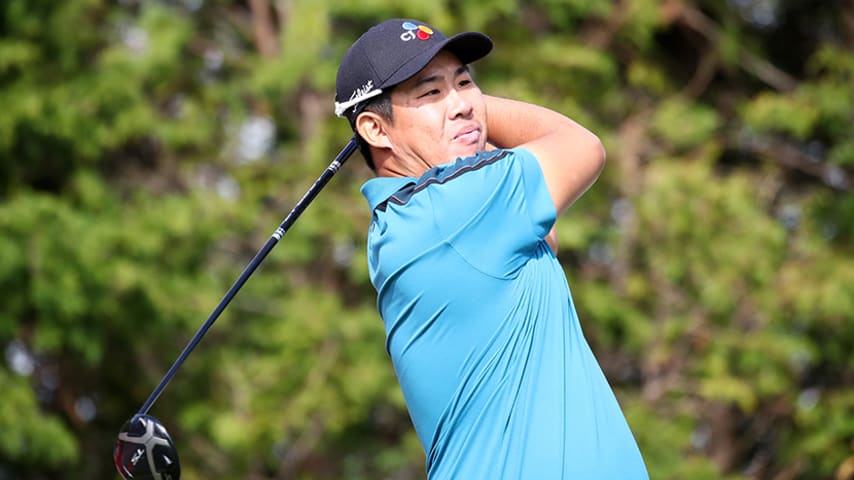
(480, 326)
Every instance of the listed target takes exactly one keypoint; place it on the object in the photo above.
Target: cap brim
(467, 46)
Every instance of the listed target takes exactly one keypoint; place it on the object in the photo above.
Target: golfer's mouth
(468, 135)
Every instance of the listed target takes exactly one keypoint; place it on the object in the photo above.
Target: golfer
(480, 325)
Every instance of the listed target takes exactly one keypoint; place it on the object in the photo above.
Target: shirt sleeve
(497, 213)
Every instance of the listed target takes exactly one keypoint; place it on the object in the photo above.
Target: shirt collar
(378, 190)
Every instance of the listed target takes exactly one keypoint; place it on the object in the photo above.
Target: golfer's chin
(465, 150)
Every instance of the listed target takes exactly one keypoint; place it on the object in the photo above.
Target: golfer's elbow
(580, 168)
(599, 154)
(571, 158)
(590, 159)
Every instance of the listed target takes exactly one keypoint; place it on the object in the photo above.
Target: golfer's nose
(459, 104)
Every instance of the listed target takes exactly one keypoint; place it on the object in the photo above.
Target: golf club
(144, 449)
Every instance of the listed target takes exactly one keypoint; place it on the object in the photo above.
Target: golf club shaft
(250, 268)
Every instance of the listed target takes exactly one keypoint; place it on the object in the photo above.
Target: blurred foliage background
(148, 149)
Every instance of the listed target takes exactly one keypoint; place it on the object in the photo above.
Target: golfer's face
(439, 114)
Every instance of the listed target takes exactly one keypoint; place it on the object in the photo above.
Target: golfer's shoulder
(463, 168)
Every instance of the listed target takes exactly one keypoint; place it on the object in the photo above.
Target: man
(480, 325)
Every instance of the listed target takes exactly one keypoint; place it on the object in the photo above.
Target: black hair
(380, 105)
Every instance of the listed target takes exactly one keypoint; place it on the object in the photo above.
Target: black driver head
(144, 450)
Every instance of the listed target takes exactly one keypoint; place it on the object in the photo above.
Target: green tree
(147, 149)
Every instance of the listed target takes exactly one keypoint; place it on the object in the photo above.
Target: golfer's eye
(430, 92)
(465, 82)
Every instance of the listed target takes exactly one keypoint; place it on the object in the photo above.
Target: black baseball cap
(392, 52)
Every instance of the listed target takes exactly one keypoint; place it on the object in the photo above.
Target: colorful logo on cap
(411, 30)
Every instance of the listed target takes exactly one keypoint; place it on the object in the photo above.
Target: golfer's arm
(570, 156)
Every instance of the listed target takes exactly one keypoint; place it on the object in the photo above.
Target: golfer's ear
(372, 129)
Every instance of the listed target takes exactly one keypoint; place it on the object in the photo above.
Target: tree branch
(794, 158)
(696, 20)
(264, 32)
